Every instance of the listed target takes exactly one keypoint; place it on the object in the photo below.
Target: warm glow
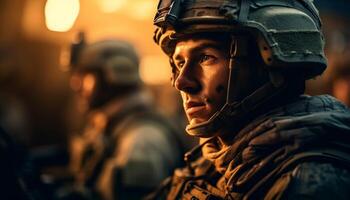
(341, 90)
(88, 85)
(155, 70)
(109, 6)
(60, 15)
(75, 82)
(64, 59)
(143, 10)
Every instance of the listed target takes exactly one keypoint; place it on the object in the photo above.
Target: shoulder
(145, 153)
(313, 180)
(144, 131)
(143, 140)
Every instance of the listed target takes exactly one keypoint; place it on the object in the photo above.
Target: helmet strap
(235, 112)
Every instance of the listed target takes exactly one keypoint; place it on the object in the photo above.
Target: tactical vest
(203, 184)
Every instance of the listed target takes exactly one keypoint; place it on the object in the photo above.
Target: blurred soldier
(126, 147)
(241, 67)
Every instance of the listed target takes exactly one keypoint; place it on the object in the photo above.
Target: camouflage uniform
(282, 144)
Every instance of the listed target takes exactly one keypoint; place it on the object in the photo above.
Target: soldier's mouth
(192, 108)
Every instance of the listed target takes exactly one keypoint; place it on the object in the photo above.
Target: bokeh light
(60, 15)
(109, 6)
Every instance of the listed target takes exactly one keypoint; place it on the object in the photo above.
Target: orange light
(142, 10)
(155, 70)
(75, 82)
(64, 59)
(109, 6)
(88, 85)
(60, 15)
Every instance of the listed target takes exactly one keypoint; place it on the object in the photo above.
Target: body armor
(268, 154)
(287, 35)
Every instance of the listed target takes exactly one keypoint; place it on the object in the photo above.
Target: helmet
(287, 34)
(103, 70)
(117, 61)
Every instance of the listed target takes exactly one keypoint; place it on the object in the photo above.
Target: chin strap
(233, 112)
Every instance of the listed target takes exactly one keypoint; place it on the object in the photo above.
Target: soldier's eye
(179, 64)
(206, 59)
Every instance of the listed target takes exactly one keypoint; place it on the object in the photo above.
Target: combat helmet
(287, 34)
(116, 60)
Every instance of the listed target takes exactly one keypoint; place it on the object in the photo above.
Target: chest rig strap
(262, 186)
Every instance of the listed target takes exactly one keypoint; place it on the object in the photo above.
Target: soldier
(241, 66)
(126, 148)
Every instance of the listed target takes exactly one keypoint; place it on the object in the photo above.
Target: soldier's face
(202, 68)
(84, 84)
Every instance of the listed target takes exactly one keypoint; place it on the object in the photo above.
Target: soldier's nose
(187, 82)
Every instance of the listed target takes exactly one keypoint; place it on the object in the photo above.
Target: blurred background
(36, 102)
(35, 36)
